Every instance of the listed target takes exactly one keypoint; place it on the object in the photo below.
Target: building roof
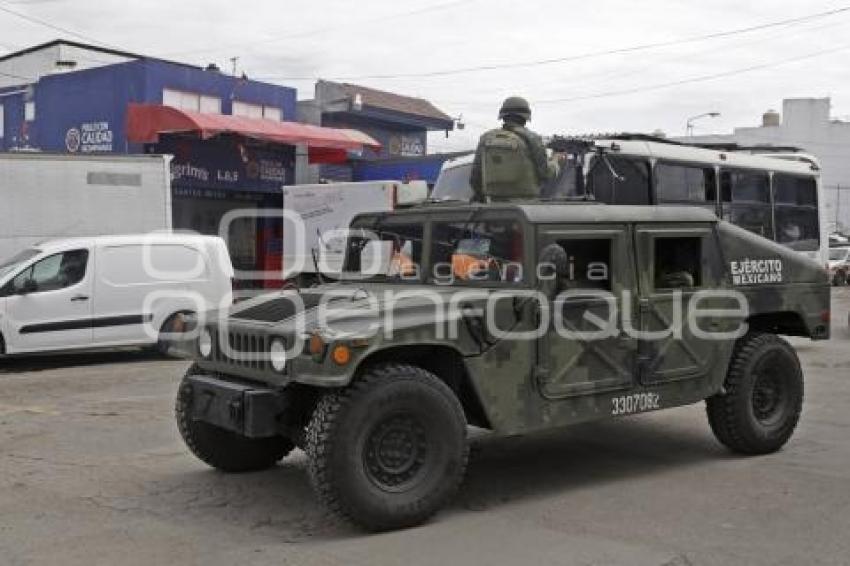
(88, 47)
(396, 102)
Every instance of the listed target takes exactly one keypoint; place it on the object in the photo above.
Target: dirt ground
(92, 471)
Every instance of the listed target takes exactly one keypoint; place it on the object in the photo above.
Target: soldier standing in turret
(511, 162)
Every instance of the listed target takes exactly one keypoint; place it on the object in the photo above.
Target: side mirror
(553, 266)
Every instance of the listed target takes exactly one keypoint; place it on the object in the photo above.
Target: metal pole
(837, 206)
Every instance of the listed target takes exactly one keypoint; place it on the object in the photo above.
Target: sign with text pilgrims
(228, 164)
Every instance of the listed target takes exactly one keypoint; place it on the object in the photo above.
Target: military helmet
(515, 106)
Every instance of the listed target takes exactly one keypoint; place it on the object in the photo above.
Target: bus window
(634, 187)
(796, 213)
(788, 189)
(685, 184)
(746, 200)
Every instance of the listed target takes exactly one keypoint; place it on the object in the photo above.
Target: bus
(773, 192)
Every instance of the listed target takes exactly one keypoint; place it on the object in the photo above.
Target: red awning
(145, 123)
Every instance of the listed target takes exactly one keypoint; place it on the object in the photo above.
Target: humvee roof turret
(513, 317)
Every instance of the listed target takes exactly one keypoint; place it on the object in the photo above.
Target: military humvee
(510, 317)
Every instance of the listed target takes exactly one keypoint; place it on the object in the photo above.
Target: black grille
(242, 349)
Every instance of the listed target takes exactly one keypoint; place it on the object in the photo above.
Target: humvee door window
(465, 252)
(632, 186)
(588, 264)
(681, 183)
(678, 263)
(388, 252)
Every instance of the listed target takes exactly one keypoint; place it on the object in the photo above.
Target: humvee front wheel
(763, 397)
(389, 450)
(222, 449)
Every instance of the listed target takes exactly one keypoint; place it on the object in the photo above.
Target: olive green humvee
(510, 317)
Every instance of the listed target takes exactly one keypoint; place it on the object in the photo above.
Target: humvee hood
(357, 309)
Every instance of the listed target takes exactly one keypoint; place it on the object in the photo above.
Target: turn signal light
(341, 354)
(316, 345)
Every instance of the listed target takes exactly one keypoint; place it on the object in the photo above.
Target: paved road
(92, 472)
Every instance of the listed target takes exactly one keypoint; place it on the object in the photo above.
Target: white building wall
(29, 67)
(806, 124)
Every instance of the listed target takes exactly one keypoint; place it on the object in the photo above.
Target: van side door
(48, 303)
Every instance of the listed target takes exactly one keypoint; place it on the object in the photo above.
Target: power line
(696, 79)
(307, 33)
(34, 20)
(582, 56)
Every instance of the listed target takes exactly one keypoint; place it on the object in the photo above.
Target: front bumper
(246, 409)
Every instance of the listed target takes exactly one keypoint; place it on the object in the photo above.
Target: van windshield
(11, 264)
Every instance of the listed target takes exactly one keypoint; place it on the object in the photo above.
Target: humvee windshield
(385, 251)
(463, 252)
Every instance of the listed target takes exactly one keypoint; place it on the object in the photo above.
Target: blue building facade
(86, 111)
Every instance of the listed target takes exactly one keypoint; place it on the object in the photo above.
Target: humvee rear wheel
(761, 406)
(222, 449)
(389, 450)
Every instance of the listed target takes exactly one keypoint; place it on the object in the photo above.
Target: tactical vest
(507, 170)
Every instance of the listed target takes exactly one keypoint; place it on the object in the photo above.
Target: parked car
(109, 291)
(839, 265)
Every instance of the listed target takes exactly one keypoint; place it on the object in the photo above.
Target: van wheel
(839, 279)
(163, 345)
(389, 450)
(222, 449)
(761, 406)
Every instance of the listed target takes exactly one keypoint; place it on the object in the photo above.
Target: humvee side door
(676, 262)
(580, 354)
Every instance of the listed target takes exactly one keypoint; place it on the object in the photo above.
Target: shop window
(272, 113)
(588, 264)
(685, 184)
(210, 104)
(181, 99)
(247, 110)
(630, 186)
(29, 111)
(678, 263)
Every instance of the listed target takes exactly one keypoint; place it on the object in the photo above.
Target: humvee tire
(222, 449)
(763, 397)
(390, 449)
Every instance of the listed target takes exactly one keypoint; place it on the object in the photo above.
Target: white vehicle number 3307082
(636, 403)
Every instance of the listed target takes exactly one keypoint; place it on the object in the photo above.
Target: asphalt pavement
(92, 471)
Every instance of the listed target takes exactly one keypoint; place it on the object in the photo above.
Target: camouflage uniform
(536, 168)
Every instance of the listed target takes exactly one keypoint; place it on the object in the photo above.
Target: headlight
(277, 355)
(205, 343)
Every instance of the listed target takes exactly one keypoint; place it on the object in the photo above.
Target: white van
(109, 291)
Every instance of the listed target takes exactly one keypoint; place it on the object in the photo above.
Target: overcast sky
(293, 42)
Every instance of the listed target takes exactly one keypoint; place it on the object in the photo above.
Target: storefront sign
(90, 137)
(228, 166)
(406, 146)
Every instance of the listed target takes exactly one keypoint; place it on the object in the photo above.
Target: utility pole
(837, 208)
(233, 61)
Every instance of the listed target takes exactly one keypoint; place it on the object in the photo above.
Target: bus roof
(784, 160)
